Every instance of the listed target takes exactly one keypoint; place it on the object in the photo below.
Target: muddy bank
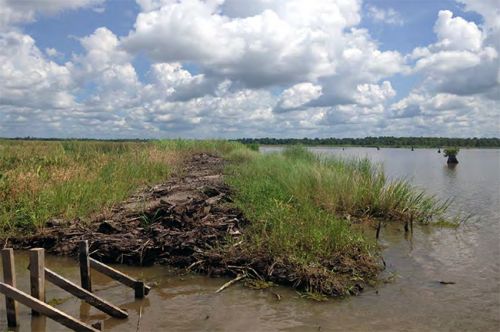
(190, 222)
(175, 223)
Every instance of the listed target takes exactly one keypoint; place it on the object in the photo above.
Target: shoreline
(381, 147)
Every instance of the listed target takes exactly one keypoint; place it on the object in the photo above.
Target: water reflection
(38, 323)
(451, 168)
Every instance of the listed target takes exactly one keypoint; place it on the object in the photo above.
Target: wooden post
(117, 275)
(84, 294)
(9, 277)
(139, 289)
(85, 265)
(45, 309)
(37, 275)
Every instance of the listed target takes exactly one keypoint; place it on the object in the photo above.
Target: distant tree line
(381, 141)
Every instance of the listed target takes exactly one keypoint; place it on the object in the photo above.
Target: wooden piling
(85, 265)
(37, 275)
(84, 294)
(45, 309)
(9, 278)
(139, 287)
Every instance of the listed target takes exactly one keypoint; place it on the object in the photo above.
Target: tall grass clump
(302, 208)
(252, 146)
(357, 188)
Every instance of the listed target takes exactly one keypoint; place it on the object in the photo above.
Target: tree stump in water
(452, 159)
(451, 153)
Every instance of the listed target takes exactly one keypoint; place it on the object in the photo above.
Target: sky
(240, 68)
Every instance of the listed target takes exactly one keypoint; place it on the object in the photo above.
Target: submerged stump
(452, 160)
(451, 153)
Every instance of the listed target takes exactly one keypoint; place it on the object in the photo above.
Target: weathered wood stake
(45, 309)
(140, 288)
(85, 295)
(85, 265)
(9, 277)
(37, 275)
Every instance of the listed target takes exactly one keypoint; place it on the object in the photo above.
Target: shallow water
(414, 301)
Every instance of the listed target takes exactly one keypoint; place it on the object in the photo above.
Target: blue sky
(163, 68)
(63, 30)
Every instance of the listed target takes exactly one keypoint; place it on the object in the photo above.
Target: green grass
(198, 146)
(40, 180)
(302, 208)
(70, 179)
(452, 151)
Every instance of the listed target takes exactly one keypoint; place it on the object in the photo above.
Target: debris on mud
(176, 223)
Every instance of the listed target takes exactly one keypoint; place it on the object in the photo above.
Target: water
(414, 301)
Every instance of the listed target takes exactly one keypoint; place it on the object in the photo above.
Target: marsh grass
(219, 147)
(72, 179)
(451, 151)
(303, 207)
(40, 180)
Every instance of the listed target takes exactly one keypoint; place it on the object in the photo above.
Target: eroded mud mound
(178, 222)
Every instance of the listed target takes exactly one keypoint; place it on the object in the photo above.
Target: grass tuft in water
(303, 207)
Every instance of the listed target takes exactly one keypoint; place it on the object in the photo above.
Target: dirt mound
(178, 222)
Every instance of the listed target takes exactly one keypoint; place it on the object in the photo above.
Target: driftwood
(229, 283)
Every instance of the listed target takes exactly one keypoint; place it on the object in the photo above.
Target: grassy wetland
(304, 212)
(68, 179)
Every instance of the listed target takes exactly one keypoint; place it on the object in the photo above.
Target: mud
(189, 222)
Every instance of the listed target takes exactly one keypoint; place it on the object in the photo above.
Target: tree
(451, 153)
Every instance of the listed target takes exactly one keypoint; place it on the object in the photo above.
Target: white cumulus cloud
(233, 68)
(298, 95)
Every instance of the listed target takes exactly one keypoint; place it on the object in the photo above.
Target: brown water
(414, 301)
